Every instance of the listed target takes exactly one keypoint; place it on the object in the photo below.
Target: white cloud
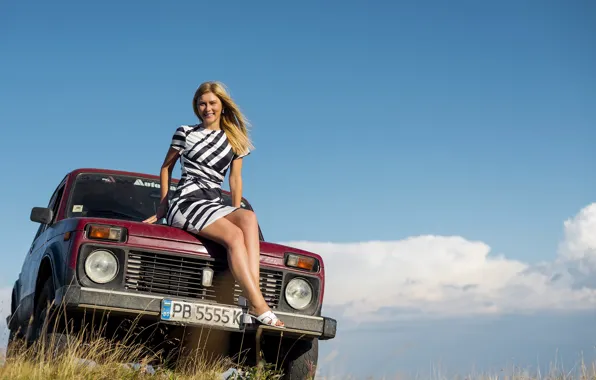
(579, 245)
(441, 276)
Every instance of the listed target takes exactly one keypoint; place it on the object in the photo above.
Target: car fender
(15, 295)
(57, 252)
(15, 300)
(49, 255)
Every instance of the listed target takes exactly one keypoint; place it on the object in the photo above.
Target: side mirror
(41, 215)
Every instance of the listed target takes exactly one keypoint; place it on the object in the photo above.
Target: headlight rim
(311, 290)
(87, 260)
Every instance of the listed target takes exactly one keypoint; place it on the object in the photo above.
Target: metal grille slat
(187, 273)
(169, 274)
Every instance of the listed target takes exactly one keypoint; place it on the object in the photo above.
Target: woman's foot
(268, 318)
(264, 316)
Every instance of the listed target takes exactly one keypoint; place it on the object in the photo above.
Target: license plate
(201, 313)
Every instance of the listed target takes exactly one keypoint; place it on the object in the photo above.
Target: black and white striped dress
(205, 156)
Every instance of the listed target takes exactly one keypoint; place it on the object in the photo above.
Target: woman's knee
(248, 219)
(233, 237)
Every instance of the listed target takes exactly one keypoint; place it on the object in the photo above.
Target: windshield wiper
(98, 213)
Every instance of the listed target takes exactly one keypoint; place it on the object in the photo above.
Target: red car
(92, 253)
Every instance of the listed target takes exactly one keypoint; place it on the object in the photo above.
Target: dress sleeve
(246, 153)
(179, 139)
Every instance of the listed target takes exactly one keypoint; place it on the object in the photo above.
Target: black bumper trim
(81, 297)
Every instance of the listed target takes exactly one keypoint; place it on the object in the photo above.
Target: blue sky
(371, 121)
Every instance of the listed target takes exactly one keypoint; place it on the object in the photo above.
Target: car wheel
(42, 321)
(301, 362)
(15, 332)
(296, 358)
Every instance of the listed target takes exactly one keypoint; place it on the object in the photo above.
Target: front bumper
(77, 297)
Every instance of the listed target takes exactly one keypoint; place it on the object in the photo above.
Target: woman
(206, 151)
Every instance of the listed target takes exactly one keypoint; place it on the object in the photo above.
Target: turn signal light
(105, 233)
(302, 262)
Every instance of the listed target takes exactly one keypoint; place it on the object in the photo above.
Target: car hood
(161, 234)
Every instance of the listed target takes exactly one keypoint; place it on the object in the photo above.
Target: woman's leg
(232, 238)
(246, 220)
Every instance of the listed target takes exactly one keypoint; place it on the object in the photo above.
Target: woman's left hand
(151, 219)
(161, 213)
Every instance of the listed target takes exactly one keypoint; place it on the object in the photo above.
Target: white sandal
(269, 318)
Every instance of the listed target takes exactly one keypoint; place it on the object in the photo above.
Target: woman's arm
(165, 175)
(236, 182)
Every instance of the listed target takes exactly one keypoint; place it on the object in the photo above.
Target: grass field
(59, 358)
(102, 359)
(72, 356)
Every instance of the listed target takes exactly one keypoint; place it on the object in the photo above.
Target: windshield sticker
(140, 182)
(77, 208)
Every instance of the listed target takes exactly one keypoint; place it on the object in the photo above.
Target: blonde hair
(233, 122)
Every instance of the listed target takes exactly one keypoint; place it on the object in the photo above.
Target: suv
(92, 253)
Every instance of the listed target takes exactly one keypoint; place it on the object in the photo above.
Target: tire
(42, 321)
(296, 358)
(43, 326)
(301, 361)
(14, 333)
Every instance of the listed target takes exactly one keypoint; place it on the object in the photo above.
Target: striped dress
(205, 156)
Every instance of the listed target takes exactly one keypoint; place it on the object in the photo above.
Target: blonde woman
(206, 151)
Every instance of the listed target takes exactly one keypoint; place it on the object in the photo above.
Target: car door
(55, 206)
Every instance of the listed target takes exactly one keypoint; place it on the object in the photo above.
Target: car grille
(180, 276)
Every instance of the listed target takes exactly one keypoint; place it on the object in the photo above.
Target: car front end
(167, 275)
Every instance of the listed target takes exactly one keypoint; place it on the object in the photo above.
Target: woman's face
(209, 108)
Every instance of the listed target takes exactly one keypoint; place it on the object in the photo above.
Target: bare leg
(231, 237)
(246, 220)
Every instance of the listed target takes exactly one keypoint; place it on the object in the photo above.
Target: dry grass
(59, 358)
(89, 355)
(74, 357)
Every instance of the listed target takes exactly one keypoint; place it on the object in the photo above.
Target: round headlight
(298, 293)
(101, 266)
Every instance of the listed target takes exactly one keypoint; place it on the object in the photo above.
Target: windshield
(119, 197)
